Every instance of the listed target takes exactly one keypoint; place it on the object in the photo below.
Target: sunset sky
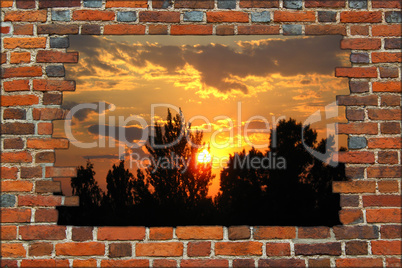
(206, 76)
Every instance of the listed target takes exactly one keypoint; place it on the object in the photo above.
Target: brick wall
(33, 45)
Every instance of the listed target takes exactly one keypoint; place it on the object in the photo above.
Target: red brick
(47, 143)
(227, 16)
(18, 128)
(125, 263)
(16, 85)
(385, 157)
(25, 42)
(26, 16)
(189, 29)
(60, 172)
(387, 4)
(159, 16)
(359, 30)
(56, 56)
(15, 143)
(93, 15)
(361, 43)
(45, 128)
(117, 250)
(26, 4)
(389, 72)
(42, 232)
(294, 16)
(199, 249)
(40, 249)
(14, 215)
(12, 250)
(324, 3)
(351, 216)
(386, 247)
(383, 215)
(82, 233)
(393, 262)
(90, 29)
(47, 186)
(259, 3)
(361, 16)
(353, 187)
(168, 249)
(358, 262)
(388, 186)
(358, 86)
(160, 233)
(225, 30)
(20, 57)
(22, 72)
(53, 85)
(44, 263)
(386, 30)
(71, 201)
(16, 157)
(16, 186)
(52, 98)
(39, 200)
(391, 231)
(31, 172)
(60, 29)
(378, 57)
(127, 3)
(250, 248)
(390, 100)
(204, 263)
(357, 128)
(121, 233)
(347, 100)
(356, 232)
(8, 232)
(49, 114)
(24, 29)
(257, 29)
(84, 263)
(281, 263)
(158, 29)
(384, 143)
(124, 29)
(164, 263)
(356, 157)
(333, 248)
(356, 248)
(319, 263)
(384, 172)
(313, 232)
(59, 3)
(45, 157)
(5, 30)
(355, 114)
(278, 249)
(239, 232)
(356, 72)
(325, 29)
(274, 232)
(6, 3)
(80, 249)
(46, 215)
(382, 200)
(9, 172)
(3, 58)
(199, 232)
(387, 87)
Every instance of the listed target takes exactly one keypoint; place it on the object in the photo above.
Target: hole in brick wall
(142, 103)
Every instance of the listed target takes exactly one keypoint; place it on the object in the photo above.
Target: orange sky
(224, 80)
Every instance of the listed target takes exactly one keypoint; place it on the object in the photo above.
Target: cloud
(123, 134)
(84, 113)
(215, 63)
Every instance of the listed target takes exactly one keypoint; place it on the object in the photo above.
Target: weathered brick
(313, 232)
(293, 4)
(379, 57)
(16, 157)
(384, 143)
(15, 215)
(391, 231)
(164, 263)
(384, 114)
(168, 249)
(358, 86)
(383, 172)
(8, 233)
(390, 128)
(258, 29)
(357, 142)
(351, 216)
(158, 29)
(390, 86)
(199, 232)
(59, 3)
(61, 15)
(82, 233)
(348, 200)
(325, 29)
(40, 249)
(47, 186)
(162, 4)
(13, 113)
(191, 30)
(226, 4)
(355, 114)
(55, 71)
(9, 172)
(386, 30)
(45, 157)
(56, 56)
(31, 71)
(93, 15)
(7, 200)
(360, 58)
(20, 57)
(319, 263)
(117, 250)
(393, 16)
(195, 16)
(263, 16)
(381, 247)
(259, 4)
(347, 100)
(239, 232)
(361, 16)
(28, 263)
(90, 29)
(194, 4)
(26, 4)
(93, 3)
(159, 16)
(126, 16)
(356, 72)
(161, 233)
(47, 143)
(281, 263)
(24, 42)
(59, 42)
(389, 72)
(225, 30)
(127, 3)
(250, 248)
(24, 29)
(356, 248)
(60, 172)
(31, 172)
(387, 4)
(60, 29)
(361, 43)
(12, 250)
(39, 200)
(125, 263)
(359, 30)
(42, 232)
(46, 215)
(358, 4)
(18, 128)
(356, 232)
(331, 248)
(292, 29)
(357, 128)
(45, 128)
(80, 249)
(386, 157)
(327, 16)
(53, 85)
(384, 215)
(227, 16)
(381, 200)
(204, 263)
(324, 3)
(393, 43)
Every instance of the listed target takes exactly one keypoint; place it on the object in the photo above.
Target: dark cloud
(101, 156)
(218, 63)
(84, 113)
(129, 134)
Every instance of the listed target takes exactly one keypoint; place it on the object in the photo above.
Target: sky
(223, 86)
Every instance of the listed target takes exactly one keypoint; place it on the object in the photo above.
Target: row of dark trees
(297, 192)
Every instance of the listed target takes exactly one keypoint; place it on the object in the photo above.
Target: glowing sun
(204, 157)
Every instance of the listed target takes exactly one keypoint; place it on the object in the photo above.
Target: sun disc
(204, 157)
